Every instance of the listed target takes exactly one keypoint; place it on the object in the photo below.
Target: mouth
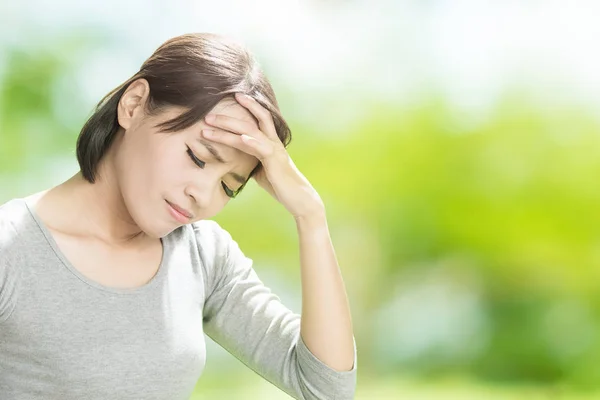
(179, 213)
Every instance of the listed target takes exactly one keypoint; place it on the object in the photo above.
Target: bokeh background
(455, 143)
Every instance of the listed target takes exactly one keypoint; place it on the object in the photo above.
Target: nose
(202, 195)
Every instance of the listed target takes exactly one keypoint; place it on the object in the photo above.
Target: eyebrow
(220, 159)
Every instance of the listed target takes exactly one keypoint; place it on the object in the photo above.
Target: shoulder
(13, 222)
(210, 236)
(205, 243)
(13, 247)
(218, 252)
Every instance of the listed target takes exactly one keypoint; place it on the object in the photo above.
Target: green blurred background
(455, 144)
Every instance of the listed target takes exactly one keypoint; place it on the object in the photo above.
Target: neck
(95, 210)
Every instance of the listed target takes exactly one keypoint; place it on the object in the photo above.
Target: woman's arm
(326, 344)
(326, 325)
(247, 319)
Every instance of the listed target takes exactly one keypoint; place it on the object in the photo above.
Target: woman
(109, 280)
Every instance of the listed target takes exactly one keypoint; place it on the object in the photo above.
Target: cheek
(164, 165)
(145, 171)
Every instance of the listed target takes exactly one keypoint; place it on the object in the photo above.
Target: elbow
(328, 385)
(316, 380)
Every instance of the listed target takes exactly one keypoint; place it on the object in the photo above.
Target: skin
(122, 216)
(144, 163)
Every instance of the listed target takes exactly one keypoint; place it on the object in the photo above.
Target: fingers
(245, 135)
(263, 116)
(233, 125)
(243, 142)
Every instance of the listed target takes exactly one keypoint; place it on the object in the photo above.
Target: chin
(156, 235)
(155, 227)
(149, 222)
(157, 232)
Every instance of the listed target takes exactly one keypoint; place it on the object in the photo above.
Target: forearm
(326, 326)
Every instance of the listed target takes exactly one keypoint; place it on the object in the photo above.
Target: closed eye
(233, 194)
(230, 193)
(195, 159)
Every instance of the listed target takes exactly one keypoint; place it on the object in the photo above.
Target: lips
(180, 210)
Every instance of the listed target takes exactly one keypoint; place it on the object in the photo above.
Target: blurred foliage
(505, 208)
(447, 389)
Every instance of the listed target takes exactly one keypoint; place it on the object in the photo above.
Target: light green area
(449, 389)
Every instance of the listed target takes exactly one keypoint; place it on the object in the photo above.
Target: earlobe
(131, 104)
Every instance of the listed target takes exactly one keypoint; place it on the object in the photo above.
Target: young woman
(109, 280)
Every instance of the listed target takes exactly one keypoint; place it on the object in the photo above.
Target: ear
(131, 104)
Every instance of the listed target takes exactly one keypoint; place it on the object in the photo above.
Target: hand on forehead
(233, 109)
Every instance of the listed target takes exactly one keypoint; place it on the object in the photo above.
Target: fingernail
(207, 132)
(210, 118)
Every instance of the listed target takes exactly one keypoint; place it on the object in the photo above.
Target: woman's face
(158, 172)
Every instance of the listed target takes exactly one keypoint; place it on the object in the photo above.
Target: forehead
(231, 108)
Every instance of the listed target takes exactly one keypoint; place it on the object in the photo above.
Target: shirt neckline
(154, 281)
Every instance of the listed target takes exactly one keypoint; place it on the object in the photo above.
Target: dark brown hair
(194, 71)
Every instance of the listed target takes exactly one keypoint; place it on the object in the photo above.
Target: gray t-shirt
(64, 336)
